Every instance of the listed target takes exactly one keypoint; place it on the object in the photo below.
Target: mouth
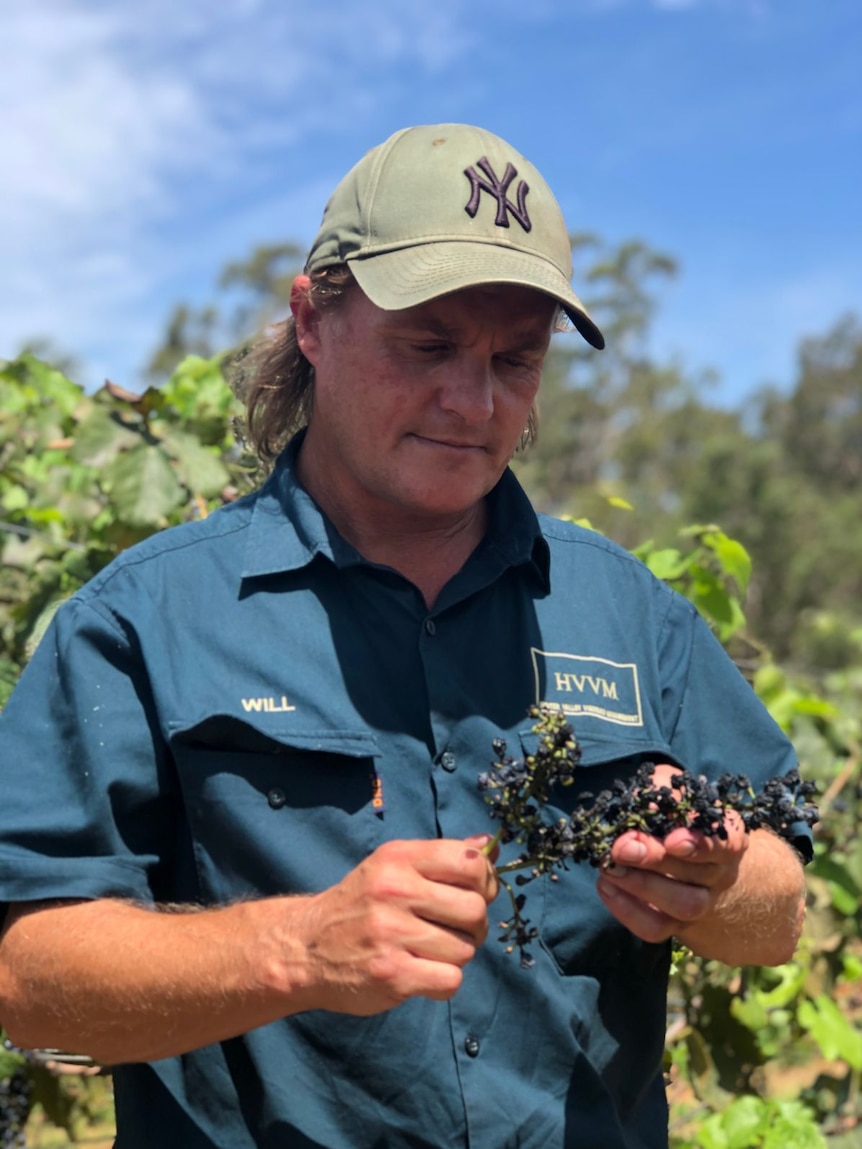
(448, 444)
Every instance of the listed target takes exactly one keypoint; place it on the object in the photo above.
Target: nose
(467, 390)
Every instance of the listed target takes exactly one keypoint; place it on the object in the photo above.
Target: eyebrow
(528, 341)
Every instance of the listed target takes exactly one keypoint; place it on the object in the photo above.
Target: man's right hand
(403, 924)
(123, 983)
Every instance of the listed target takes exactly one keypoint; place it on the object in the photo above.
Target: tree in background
(250, 293)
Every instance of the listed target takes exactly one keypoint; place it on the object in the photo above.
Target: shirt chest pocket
(575, 928)
(284, 812)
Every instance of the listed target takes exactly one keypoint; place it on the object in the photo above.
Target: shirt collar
(288, 529)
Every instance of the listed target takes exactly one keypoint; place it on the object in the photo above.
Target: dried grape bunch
(15, 1099)
(517, 791)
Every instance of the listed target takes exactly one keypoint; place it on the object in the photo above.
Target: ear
(306, 318)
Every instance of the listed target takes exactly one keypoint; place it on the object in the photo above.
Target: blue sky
(145, 144)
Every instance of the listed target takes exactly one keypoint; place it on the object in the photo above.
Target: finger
(695, 872)
(461, 912)
(482, 842)
(635, 848)
(432, 942)
(461, 864)
(682, 845)
(435, 980)
(393, 979)
(698, 847)
(682, 901)
(643, 920)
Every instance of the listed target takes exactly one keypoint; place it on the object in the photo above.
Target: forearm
(757, 920)
(125, 983)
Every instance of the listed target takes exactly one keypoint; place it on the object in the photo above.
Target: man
(242, 839)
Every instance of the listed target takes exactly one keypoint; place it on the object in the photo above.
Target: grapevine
(517, 790)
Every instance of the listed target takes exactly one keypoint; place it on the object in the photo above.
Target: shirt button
(471, 1046)
(448, 760)
(430, 628)
(276, 797)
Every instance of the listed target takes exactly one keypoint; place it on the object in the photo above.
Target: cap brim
(406, 277)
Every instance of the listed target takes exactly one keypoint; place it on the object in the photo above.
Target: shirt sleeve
(88, 807)
(721, 726)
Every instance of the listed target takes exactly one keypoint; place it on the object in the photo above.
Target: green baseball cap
(441, 207)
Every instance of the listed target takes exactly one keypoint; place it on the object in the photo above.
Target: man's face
(420, 410)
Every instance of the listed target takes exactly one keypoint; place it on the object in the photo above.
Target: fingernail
(632, 852)
(608, 891)
(684, 850)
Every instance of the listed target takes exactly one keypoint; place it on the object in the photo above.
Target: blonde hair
(277, 381)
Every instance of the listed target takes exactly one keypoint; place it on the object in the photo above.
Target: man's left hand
(659, 888)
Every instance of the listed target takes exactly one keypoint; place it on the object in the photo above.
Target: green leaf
(843, 901)
(623, 504)
(196, 465)
(715, 602)
(101, 437)
(744, 1122)
(834, 1033)
(790, 981)
(583, 522)
(143, 486)
(15, 498)
(666, 564)
(41, 384)
(794, 1132)
(201, 397)
(844, 890)
(734, 559)
(711, 1134)
(750, 1012)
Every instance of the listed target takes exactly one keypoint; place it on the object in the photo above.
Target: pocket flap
(242, 733)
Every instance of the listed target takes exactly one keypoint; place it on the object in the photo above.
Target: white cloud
(82, 129)
(120, 121)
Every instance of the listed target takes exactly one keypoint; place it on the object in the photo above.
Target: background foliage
(752, 513)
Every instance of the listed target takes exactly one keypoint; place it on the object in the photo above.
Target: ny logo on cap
(499, 189)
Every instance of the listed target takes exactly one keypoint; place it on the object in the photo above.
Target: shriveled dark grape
(517, 791)
(15, 1099)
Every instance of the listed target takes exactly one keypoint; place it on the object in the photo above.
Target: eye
(431, 348)
(515, 362)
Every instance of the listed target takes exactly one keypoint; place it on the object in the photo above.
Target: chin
(434, 504)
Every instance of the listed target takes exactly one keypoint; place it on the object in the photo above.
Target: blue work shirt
(244, 706)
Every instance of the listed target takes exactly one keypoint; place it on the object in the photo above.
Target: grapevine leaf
(667, 564)
(197, 467)
(745, 1121)
(733, 558)
(834, 1033)
(100, 438)
(143, 486)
